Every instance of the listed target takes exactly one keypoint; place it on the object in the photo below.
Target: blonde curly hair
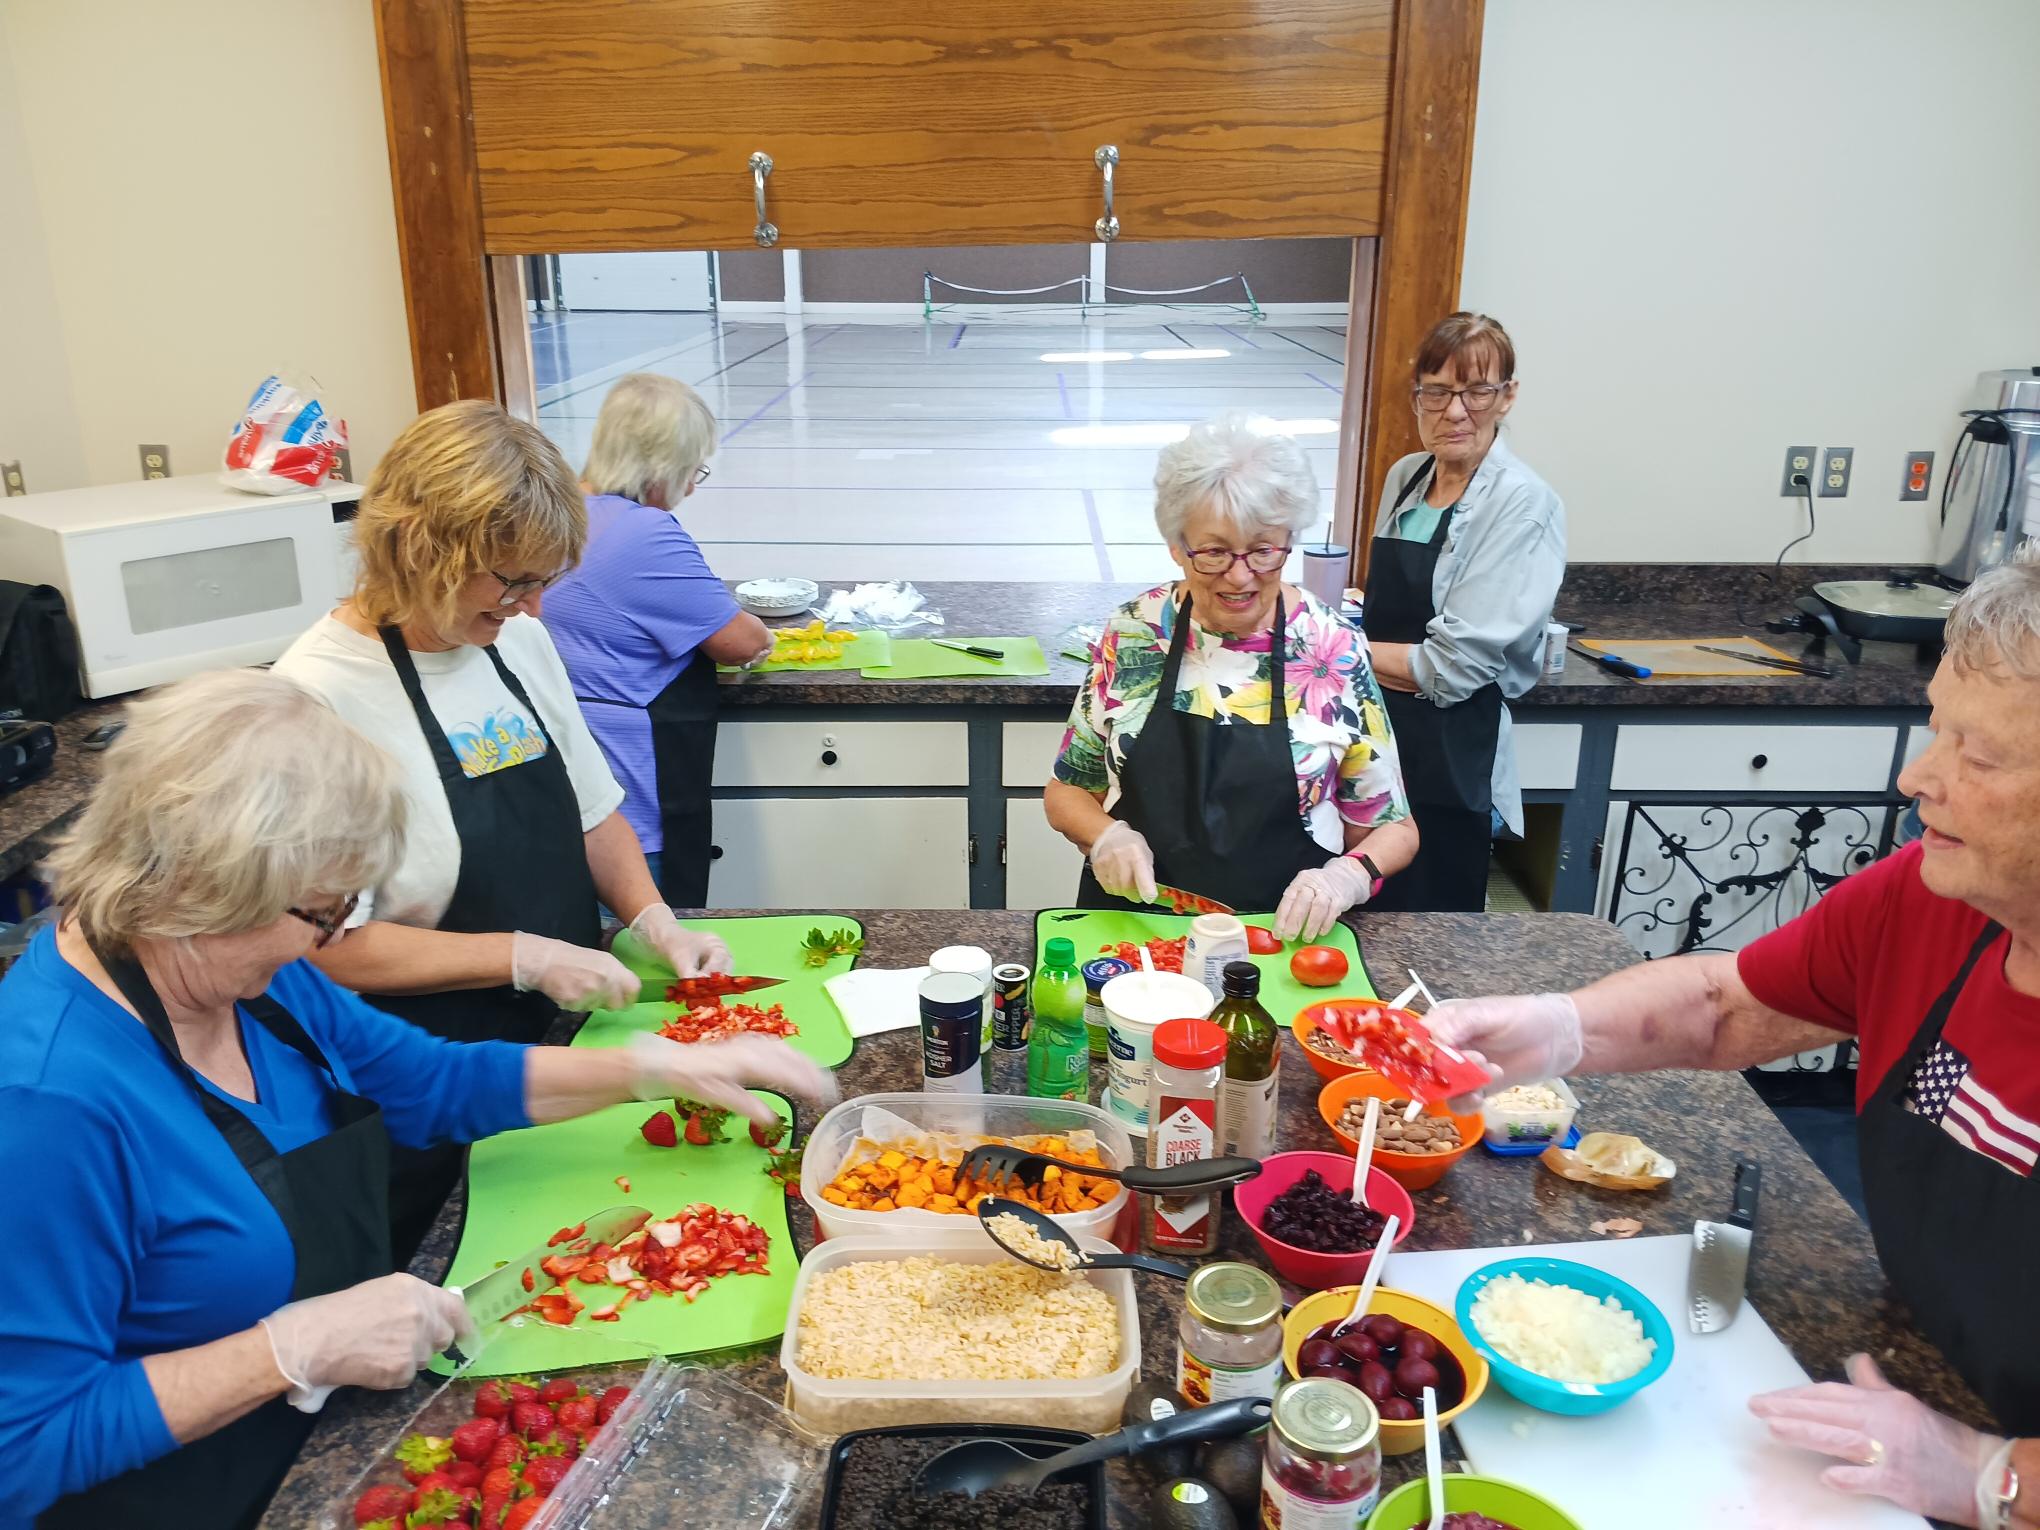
(464, 489)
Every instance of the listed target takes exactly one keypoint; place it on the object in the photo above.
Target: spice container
(1323, 1466)
(1188, 1066)
(1229, 1341)
(1214, 940)
(1097, 973)
(1253, 1062)
(953, 1033)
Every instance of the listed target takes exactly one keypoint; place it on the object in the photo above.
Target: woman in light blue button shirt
(1468, 554)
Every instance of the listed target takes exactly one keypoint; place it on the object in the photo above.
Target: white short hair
(231, 796)
(653, 433)
(1995, 623)
(1240, 468)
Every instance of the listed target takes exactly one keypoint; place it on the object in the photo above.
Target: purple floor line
(1062, 386)
(1097, 536)
(1321, 382)
(1243, 340)
(778, 398)
(957, 338)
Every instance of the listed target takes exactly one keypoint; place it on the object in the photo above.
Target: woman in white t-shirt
(488, 927)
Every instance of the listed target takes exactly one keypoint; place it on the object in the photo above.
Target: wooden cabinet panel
(628, 124)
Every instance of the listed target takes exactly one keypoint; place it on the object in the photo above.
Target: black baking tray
(1019, 1434)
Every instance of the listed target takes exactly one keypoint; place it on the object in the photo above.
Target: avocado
(1187, 1503)
(1150, 1403)
(1234, 1467)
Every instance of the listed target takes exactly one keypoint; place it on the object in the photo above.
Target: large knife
(502, 1291)
(1721, 1257)
(712, 986)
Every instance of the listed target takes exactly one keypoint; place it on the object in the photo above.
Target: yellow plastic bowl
(1398, 1438)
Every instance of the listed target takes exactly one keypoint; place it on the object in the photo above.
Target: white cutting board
(1685, 1451)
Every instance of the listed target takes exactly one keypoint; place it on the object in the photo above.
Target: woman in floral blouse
(1300, 808)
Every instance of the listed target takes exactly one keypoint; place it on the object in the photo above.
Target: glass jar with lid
(1322, 1470)
(1229, 1341)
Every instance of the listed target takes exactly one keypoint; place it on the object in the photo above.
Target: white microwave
(170, 576)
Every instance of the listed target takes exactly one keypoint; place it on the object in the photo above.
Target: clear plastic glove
(1123, 863)
(1314, 900)
(725, 1072)
(1523, 1039)
(1892, 1445)
(376, 1334)
(576, 978)
(689, 952)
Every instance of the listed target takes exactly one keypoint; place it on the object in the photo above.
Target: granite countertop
(1815, 1280)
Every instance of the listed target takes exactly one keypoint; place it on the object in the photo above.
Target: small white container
(1556, 636)
(1214, 940)
(1135, 1003)
(777, 597)
(1504, 1128)
(831, 1406)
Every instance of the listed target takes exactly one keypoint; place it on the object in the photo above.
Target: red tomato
(1318, 966)
(1262, 942)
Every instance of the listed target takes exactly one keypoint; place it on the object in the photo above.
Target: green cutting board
(921, 659)
(765, 945)
(1281, 995)
(524, 1186)
(861, 651)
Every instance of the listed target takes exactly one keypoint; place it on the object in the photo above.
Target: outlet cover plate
(11, 480)
(1835, 465)
(1924, 462)
(1798, 459)
(155, 461)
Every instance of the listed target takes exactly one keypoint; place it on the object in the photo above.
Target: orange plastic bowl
(1413, 1171)
(1306, 1022)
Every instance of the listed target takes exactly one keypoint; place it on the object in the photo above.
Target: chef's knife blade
(502, 1291)
(1182, 901)
(1720, 1265)
(720, 985)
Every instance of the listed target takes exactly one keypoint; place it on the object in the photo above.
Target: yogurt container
(1134, 1004)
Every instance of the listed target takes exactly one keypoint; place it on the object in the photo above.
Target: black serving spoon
(1076, 1258)
(1002, 1163)
(977, 1465)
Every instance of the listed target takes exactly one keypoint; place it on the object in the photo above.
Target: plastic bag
(1612, 1160)
(894, 606)
(284, 441)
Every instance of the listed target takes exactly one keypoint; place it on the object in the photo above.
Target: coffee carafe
(1990, 499)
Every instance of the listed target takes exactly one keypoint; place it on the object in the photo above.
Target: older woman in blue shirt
(643, 621)
(1468, 553)
(194, 1120)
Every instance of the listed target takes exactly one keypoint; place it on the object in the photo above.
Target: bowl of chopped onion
(1563, 1337)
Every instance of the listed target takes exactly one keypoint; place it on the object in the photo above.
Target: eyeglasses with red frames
(1264, 559)
(330, 925)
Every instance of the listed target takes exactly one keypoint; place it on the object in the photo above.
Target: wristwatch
(1376, 879)
(1997, 1490)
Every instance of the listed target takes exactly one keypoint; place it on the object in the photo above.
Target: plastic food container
(1503, 1128)
(1575, 1398)
(832, 1406)
(644, 1465)
(1036, 1442)
(975, 1116)
(1308, 1267)
(1399, 1437)
(1135, 1004)
(1409, 1506)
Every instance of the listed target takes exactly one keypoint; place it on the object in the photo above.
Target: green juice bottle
(1058, 1047)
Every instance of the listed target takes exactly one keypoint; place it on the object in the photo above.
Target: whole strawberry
(611, 1401)
(501, 1482)
(768, 1136)
(467, 1473)
(507, 1451)
(521, 1391)
(522, 1513)
(697, 1132)
(419, 1454)
(558, 1390)
(474, 1440)
(578, 1413)
(660, 1131)
(493, 1400)
(533, 1420)
(441, 1506)
(383, 1501)
(543, 1473)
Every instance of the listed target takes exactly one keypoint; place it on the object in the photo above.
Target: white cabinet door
(1547, 755)
(866, 852)
(1027, 752)
(653, 282)
(1738, 757)
(1041, 866)
(833, 752)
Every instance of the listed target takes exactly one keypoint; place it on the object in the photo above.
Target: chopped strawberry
(611, 1400)
(566, 1235)
(418, 1455)
(623, 1183)
(474, 1440)
(533, 1420)
(529, 1283)
(543, 1473)
(384, 1501)
(697, 1132)
(466, 1473)
(659, 1130)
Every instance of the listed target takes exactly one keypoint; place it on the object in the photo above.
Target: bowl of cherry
(1402, 1345)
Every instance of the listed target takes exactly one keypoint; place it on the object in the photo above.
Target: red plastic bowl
(1306, 1267)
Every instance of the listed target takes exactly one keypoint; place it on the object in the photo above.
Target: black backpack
(38, 653)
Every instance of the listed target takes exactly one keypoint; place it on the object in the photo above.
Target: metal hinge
(973, 850)
(1002, 849)
(1594, 863)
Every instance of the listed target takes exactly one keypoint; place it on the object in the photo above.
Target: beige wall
(212, 188)
(1718, 230)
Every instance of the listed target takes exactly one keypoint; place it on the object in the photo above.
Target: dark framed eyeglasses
(1436, 398)
(515, 590)
(1264, 559)
(330, 926)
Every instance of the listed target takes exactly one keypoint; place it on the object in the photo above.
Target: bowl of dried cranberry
(1300, 1208)
(1471, 1503)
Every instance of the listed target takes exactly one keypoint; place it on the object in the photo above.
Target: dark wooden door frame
(1412, 279)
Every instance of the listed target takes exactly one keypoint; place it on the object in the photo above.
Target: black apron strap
(683, 718)
(414, 689)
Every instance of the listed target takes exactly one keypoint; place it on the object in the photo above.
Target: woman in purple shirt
(630, 620)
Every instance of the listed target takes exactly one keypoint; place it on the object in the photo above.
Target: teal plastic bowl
(1577, 1398)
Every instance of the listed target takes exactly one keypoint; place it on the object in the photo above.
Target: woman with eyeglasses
(488, 925)
(1229, 740)
(642, 622)
(195, 1121)
(1468, 553)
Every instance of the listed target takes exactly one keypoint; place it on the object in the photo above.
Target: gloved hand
(1520, 1040)
(690, 952)
(376, 1334)
(1123, 863)
(724, 1073)
(1314, 900)
(574, 977)
(1894, 1445)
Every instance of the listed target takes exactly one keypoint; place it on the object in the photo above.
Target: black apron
(329, 1195)
(523, 866)
(683, 718)
(1216, 802)
(1447, 754)
(1958, 1234)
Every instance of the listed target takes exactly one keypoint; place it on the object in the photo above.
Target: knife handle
(1749, 1181)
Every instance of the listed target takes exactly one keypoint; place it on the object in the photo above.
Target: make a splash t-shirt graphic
(503, 738)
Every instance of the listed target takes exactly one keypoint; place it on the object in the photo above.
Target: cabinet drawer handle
(767, 232)
(715, 852)
(828, 756)
(1758, 762)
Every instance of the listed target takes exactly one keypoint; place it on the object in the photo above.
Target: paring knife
(972, 649)
(1721, 1257)
(501, 1292)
